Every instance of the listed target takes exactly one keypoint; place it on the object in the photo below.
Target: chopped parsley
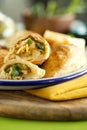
(15, 70)
(40, 46)
(30, 41)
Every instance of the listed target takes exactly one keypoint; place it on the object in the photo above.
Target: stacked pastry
(27, 51)
(32, 56)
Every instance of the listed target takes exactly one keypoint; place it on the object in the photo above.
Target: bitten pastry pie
(18, 69)
(29, 46)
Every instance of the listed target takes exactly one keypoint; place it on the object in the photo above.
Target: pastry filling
(30, 49)
(17, 71)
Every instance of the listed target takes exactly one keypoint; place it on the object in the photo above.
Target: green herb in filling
(40, 46)
(15, 70)
(30, 41)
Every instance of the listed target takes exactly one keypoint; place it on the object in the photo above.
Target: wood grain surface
(19, 104)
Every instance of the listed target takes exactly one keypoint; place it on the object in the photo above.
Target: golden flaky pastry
(60, 38)
(3, 53)
(30, 46)
(64, 58)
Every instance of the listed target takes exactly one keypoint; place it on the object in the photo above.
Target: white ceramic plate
(38, 83)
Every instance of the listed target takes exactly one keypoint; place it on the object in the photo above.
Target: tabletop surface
(18, 124)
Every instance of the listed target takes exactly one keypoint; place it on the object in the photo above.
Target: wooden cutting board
(19, 104)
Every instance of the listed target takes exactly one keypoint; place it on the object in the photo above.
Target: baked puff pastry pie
(29, 46)
(19, 69)
(66, 59)
(67, 55)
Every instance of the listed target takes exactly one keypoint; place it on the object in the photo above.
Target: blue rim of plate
(44, 81)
